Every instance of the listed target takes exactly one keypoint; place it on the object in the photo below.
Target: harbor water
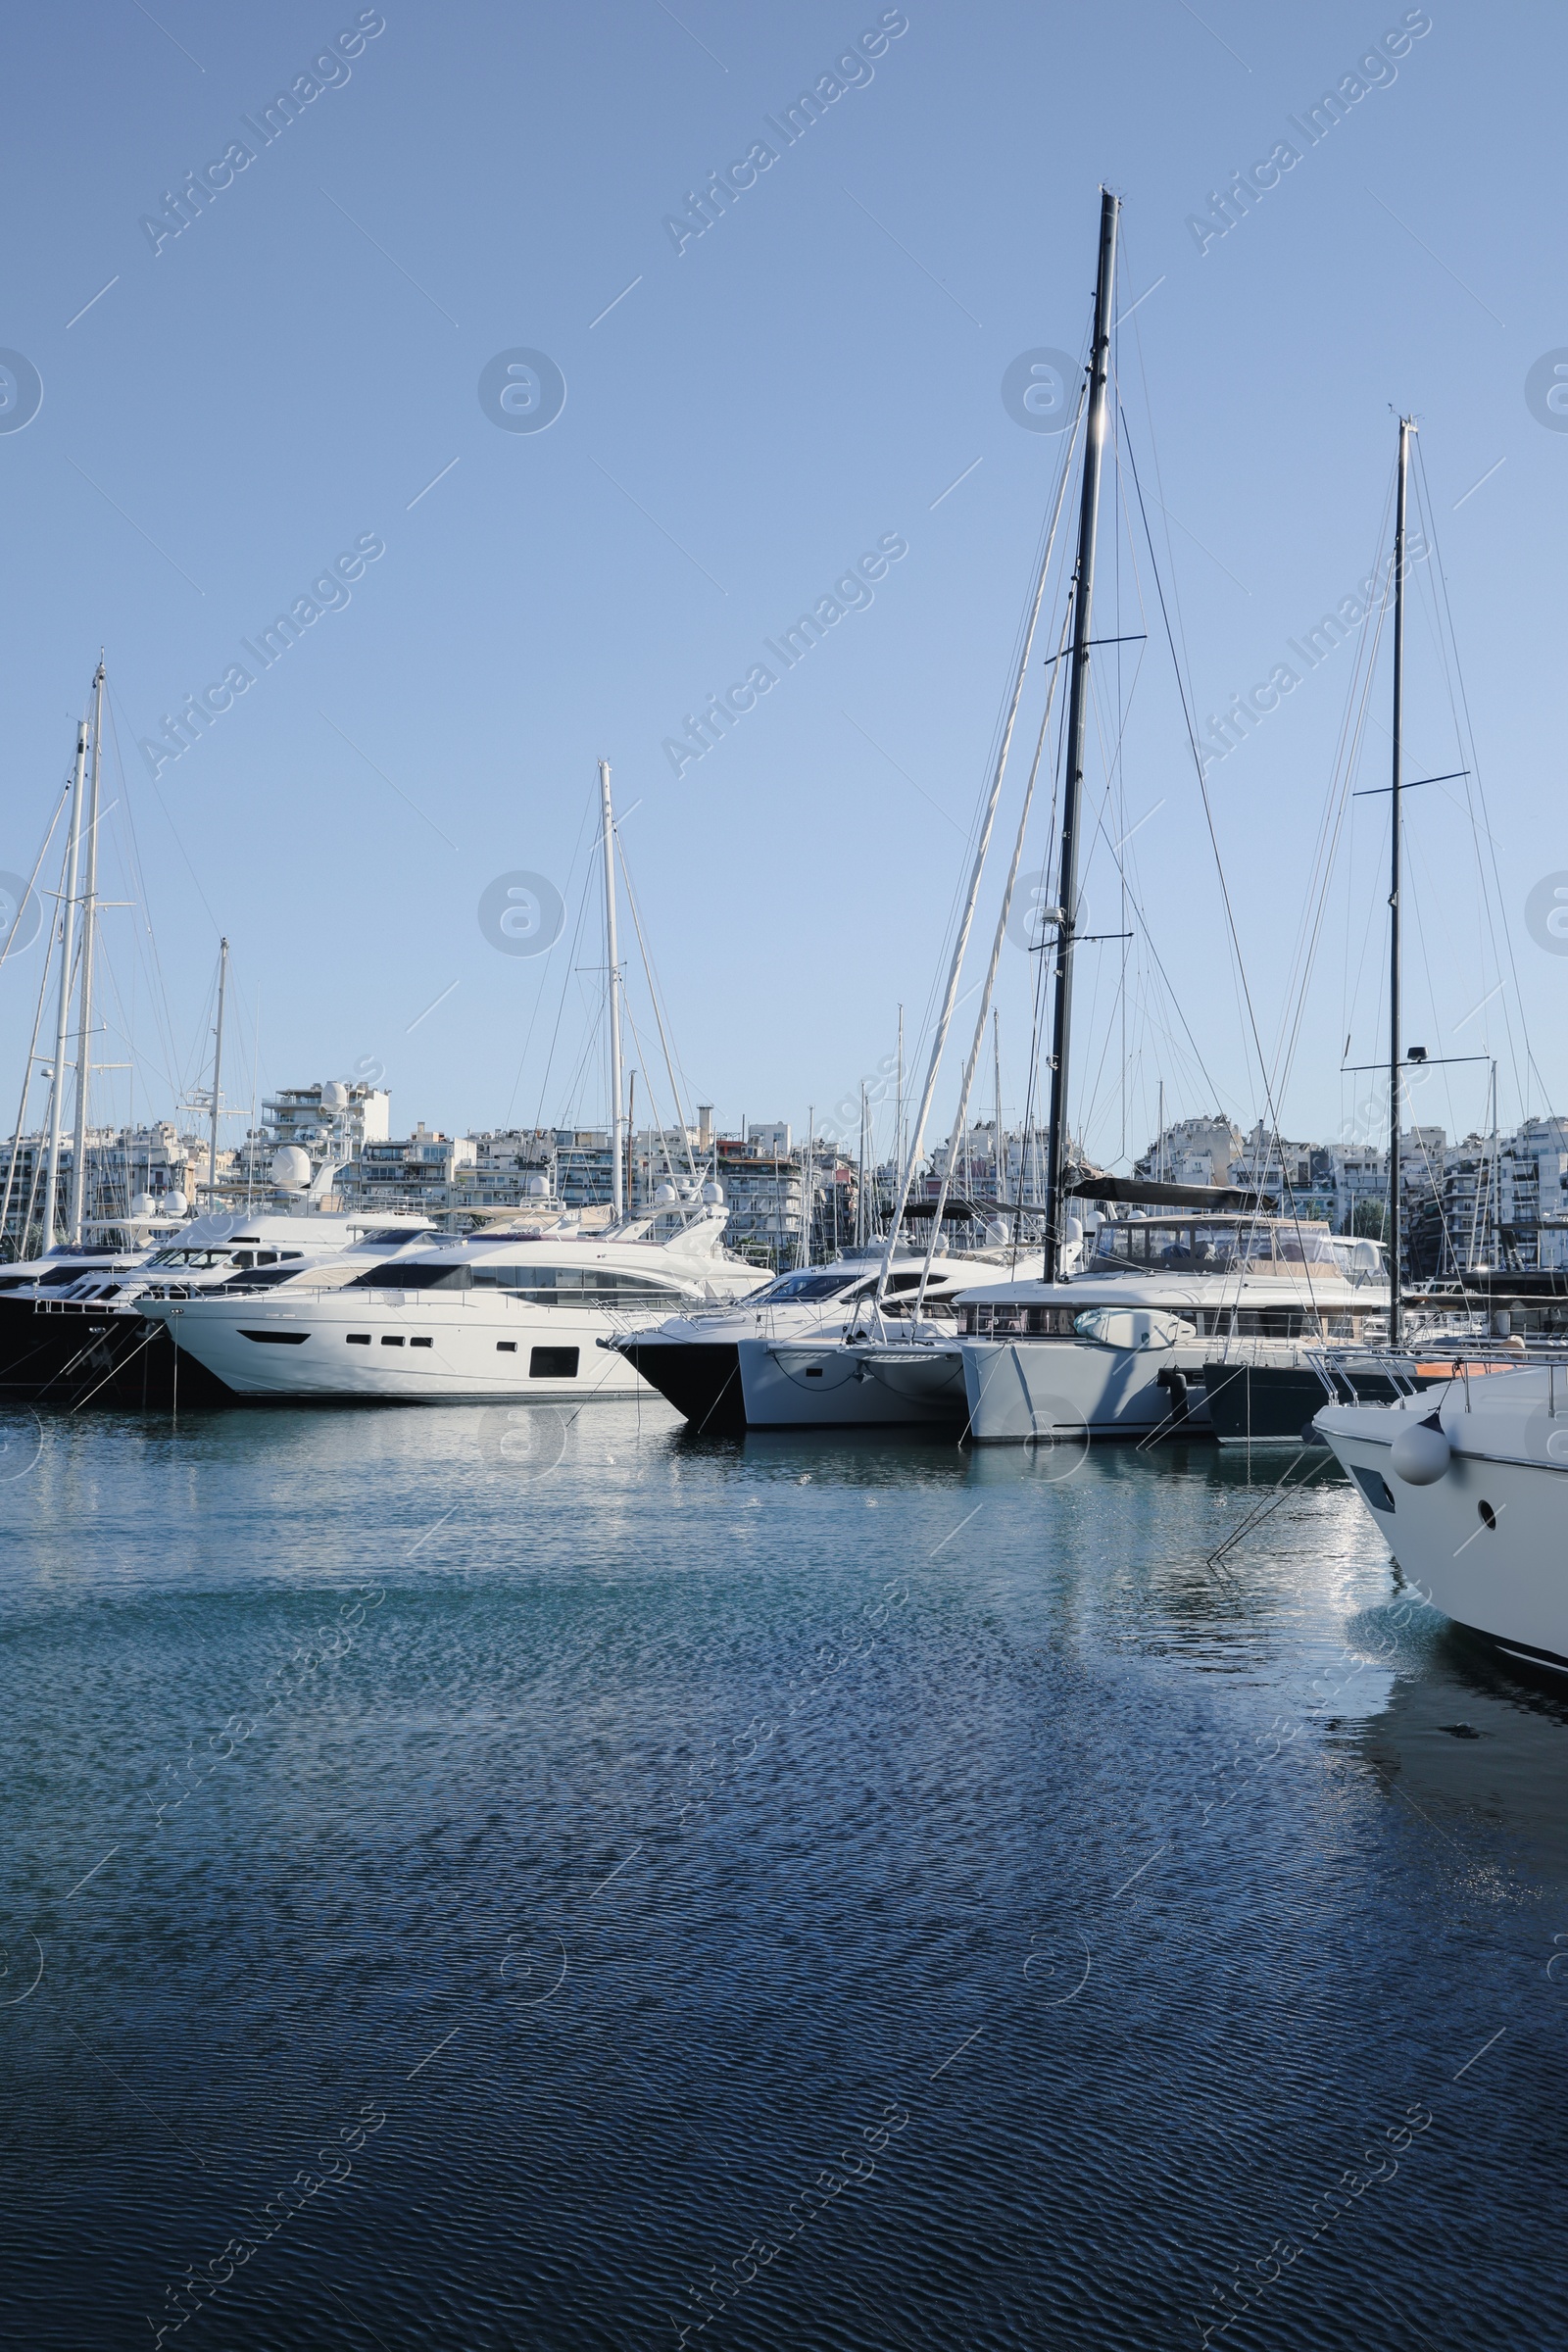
(479, 1882)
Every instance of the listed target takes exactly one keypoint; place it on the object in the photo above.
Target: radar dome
(334, 1095)
(143, 1204)
(713, 1194)
(175, 1205)
(537, 1187)
(665, 1196)
(291, 1170)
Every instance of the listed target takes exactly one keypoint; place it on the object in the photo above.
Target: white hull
(1503, 1575)
(1020, 1390)
(438, 1349)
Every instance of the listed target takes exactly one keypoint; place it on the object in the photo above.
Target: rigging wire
(162, 1016)
(33, 1043)
(37, 868)
(1337, 800)
(1475, 788)
(1029, 613)
(565, 983)
(1209, 819)
(653, 992)
(1346, 761)
(1181, 664)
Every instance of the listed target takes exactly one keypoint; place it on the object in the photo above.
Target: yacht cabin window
(1177, 1247)
(540, 1286)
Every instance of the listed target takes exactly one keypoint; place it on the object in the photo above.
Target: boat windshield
(807, 1286)
(1201, 1247)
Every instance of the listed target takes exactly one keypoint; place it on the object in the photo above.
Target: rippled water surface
(793, 1892)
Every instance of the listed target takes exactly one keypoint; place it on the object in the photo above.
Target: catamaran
(1123, 1346)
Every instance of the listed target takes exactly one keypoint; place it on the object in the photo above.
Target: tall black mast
(1396, 1302)
(1077, 715)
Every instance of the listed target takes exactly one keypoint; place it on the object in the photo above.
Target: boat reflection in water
(1478, 1741)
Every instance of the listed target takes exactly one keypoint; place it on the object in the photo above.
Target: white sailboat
(1464, 1476)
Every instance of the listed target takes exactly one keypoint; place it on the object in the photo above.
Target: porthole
(1488, 1517)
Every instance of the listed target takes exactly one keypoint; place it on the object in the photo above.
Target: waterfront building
(1193, 1151)
(124, 1163)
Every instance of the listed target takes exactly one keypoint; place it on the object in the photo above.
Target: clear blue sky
(282, 379)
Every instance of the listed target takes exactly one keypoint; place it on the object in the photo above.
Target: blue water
(796, 1893)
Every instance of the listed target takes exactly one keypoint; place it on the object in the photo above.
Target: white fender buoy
(1421, 1455)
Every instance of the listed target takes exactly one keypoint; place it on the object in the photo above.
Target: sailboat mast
(1496, 1175)
(68, 942)
(898, 1101)
(618, 1201)
(89, 896)
(1077, 719)
(218, 1073)
(804, 1258)
(1395, 1235)
(996, 1138)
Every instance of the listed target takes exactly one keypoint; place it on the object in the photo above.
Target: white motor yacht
(1119, 1348)
(777, 1360)
(1468, 1484)
(516, 1314)
(70, 1330)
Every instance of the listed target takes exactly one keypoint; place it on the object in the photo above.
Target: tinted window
(804, 1287)
(573, 1285)
(414, 1277)
(259, 1278)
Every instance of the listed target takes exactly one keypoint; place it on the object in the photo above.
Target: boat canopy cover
(1223, 1197)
